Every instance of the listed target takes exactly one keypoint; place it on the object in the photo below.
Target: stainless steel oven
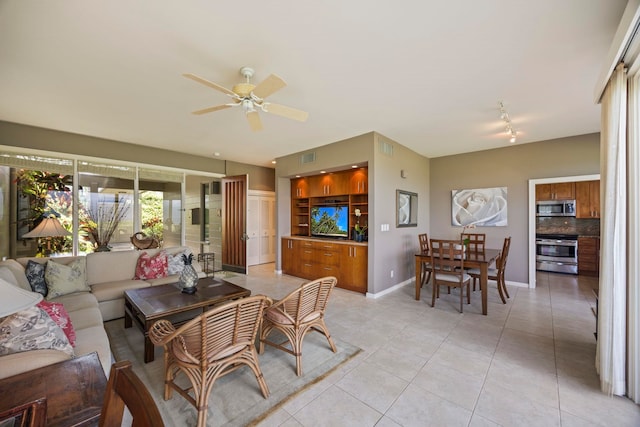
(557, 253)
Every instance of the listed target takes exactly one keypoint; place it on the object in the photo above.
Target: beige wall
(260, 178)
(513, 167)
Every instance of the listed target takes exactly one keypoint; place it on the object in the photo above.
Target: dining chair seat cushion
(452, 278)
(476, 271)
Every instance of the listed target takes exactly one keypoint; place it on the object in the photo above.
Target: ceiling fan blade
(268, 86)
(212, 109)
(254, 121)
(210, 84)
(284, 111)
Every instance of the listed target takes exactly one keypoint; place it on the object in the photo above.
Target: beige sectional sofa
(108, 275)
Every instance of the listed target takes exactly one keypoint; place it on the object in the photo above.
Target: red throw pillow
(151, 267)
(59, 314)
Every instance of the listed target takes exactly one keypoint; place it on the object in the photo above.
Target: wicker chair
(447, 265)
(212, 345)
(125, 389)
(298, 313)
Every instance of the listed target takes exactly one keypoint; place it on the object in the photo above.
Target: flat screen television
(330, 221)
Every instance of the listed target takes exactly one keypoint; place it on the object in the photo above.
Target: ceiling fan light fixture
(247, 106)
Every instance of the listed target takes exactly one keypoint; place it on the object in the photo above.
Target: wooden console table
(74, 390)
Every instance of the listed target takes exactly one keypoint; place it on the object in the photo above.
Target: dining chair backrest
(424, 243)
(447, 257)
(476, 241)
(501, 262)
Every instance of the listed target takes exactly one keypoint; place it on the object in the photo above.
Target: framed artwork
(406, 209)
(482, 207)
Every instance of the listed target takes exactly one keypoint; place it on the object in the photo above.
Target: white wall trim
(391, 289)
(532, 215)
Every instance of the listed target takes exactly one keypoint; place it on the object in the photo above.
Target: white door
(261, 227)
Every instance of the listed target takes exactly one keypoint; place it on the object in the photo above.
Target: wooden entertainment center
(309, 257)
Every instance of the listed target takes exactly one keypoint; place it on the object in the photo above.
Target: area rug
(236, 399)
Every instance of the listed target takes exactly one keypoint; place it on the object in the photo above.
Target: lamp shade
(14, 298)
(49, 227)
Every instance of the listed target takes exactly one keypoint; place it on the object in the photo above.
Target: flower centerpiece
(360, 230)
(465, 241)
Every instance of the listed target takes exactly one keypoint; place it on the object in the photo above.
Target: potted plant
(359, 230)
(101, 224)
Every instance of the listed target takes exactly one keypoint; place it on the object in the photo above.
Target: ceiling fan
(251, 98)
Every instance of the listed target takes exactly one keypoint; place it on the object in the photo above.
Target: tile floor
(528, 363)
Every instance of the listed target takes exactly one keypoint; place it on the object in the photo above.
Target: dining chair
(215, 343)
(124, 388)
(447, 266)
(497, 273)
(425, 273)
(296, 314)
(475, 241)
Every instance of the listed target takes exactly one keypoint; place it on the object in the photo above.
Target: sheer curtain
(612, 307)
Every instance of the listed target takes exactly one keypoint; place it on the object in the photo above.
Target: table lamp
(15, 299)
(48, 227)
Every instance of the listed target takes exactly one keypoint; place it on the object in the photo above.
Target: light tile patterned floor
(528, 363)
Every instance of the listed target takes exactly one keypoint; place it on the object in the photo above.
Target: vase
(359, 237)
(188, 279)
(103, 247)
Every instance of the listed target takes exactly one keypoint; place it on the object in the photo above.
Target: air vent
(308, 158)
(385, 148)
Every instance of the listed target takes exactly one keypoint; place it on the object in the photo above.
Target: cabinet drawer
(328, 257)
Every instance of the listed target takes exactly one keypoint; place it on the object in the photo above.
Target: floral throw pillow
(32, 329)
(151, 267)
(59, 314)
(66, 279)
(176, 263)
(35, 276)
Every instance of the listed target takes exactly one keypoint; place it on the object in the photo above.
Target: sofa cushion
(175, 262)
(59, 314)
(115, 290)
(85, 318)
(111, 266)
(35, 273)
(94, 339)
(32, 329)
(17, 270)
(66, 279)
(151, 267)
(77, 301)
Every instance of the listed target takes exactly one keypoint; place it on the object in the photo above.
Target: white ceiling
(427, 74)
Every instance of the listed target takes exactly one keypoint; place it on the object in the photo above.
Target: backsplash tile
(568, 225)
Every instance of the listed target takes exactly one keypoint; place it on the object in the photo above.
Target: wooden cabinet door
(543, 192)
(358, 182)
(330, 184)
(589, 256)
(353, 269)
(289, 256)
(588, 199)
(564, 190)
(299, 188)
(594, 197)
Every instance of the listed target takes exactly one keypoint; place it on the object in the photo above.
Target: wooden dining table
(480, 260)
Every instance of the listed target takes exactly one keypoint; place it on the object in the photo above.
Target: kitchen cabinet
(556, 191)
(314, 258)
(588, 199)
(589, 256)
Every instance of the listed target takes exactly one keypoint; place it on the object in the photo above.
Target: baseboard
(518, 284)
(389, 290)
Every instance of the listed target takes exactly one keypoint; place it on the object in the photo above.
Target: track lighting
(509, 130)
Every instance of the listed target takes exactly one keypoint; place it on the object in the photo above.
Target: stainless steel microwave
(556, 208)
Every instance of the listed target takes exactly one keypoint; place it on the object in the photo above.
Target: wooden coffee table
(148, 305)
